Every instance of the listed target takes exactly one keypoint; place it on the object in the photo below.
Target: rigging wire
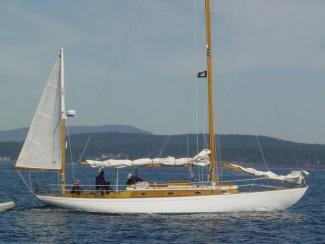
(85, 147)
(200, 109)
(271, 99)
(58, 178)
(29, 188)
(190, 170)
(195, 66)
(262, 153)
(196, 92)
(70, 150)
(187, 138)
(158, 150)
(219, 171)
(110, 74)
(277, 112)
(235, 66)
(281, 120)
(163, 147)
(30, 180)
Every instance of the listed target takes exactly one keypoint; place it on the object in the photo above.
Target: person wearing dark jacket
(101, 184)
(132, 179)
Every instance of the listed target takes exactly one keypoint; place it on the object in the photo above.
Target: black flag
(202, 74)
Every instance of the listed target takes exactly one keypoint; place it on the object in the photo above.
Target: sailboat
(44, 150)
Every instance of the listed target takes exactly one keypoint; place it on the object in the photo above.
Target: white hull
(240, 202)
(6, 206)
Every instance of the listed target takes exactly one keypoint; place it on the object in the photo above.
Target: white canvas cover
(202, 159)
(41, 149)
(296, 176)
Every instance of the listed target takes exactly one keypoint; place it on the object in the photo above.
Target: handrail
(190, 183)
(86, 190)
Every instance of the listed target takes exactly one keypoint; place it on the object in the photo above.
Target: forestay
(41, 149)
(201, 159)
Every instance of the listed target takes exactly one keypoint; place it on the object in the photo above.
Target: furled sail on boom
(42, 147)
(201, 159)
(295, 176)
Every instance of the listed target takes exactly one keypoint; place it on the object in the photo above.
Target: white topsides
(239, 202)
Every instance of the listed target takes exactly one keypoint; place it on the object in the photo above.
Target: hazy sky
(134, 62)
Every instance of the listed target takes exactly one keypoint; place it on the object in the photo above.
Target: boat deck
(170, 189)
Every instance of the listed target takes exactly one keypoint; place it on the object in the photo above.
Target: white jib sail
(42, 149)
(201, 159)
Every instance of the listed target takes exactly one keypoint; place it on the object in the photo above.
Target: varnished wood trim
(152, 193)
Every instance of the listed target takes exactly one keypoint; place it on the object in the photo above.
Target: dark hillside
(239, 148)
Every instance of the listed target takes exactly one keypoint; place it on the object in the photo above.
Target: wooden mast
(63, 170)
(62, 125)
(212, 175)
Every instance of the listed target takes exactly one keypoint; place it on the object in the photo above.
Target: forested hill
(240, 148)
(20, 134)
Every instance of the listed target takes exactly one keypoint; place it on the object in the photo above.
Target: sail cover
(41, 149)
(296, 176)
(201, 159)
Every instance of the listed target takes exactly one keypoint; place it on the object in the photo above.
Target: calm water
(31, 222)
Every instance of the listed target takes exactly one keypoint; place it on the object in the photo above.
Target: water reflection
(43, 224)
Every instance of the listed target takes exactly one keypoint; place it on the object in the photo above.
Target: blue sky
(134, 62)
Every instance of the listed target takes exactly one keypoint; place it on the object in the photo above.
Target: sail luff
(63, 113)
(212, 176)
(62, 124)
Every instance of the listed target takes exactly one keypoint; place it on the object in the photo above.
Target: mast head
(61, 53)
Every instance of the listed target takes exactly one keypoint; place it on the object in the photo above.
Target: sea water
(32, 222)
